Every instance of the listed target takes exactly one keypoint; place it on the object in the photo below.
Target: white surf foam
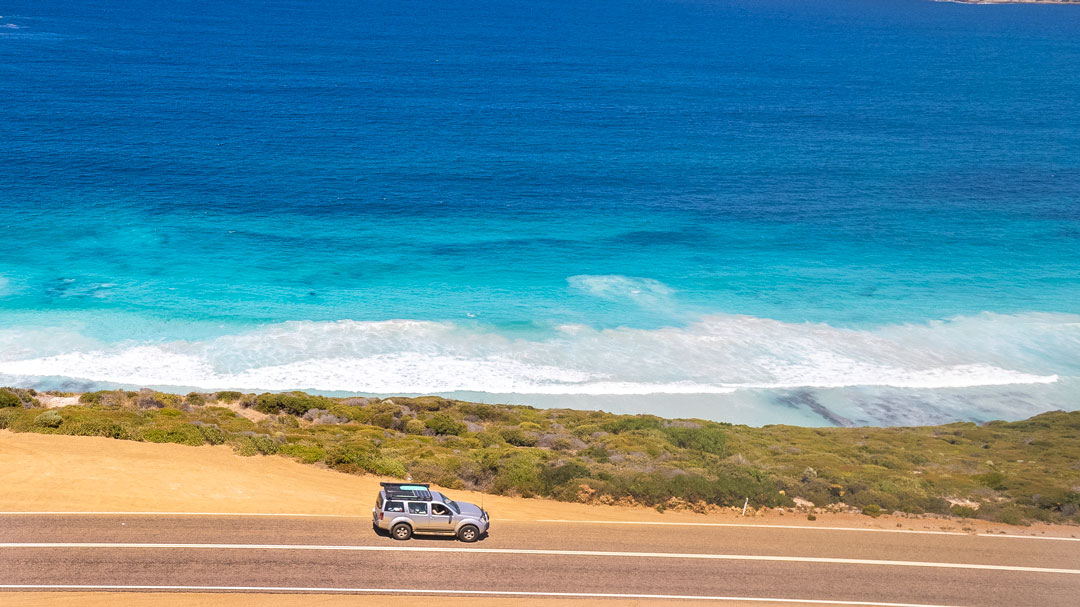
(715, 355)
(644, 292)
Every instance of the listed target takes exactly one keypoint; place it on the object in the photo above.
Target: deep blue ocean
(761, 211)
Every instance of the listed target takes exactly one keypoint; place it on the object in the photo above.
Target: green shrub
(48, 419)
(99, 427)
(708, 439)
(340, 455)
(630, 423)
(383, 420)
(861, 497)
(598, 453)
(1011, 516)
(516, 437)
(487, 413)
(727, 490)
(585, 431)
(872, 510)
(520, 474)
(308, 454)
(964, 511)
(7, 416)
(228, 396)
(9, 398)
(444, 424)
(489, 439)
(1060, 500)
(559, 475)
(213, 434)
(385, 466)
(244, 447)
(182, 434)
(22, 396)
(105, 398)
(295, 403)
(415, 426)
(91, 398)
(993, 479)
(430, 403)
(194, 399)
(255, 445)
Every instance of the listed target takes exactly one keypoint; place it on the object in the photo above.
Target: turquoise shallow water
(826, 212)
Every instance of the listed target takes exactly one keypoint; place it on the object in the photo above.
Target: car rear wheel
(468, 533)
(401, 531)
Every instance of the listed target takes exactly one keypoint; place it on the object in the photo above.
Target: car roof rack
(407, 486)
(407, 491)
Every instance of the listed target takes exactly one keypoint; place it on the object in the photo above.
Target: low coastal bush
(105, 397)
(49, 419)
(7, 416)
(99, 427)
(183, 434)
(707, 439)
(872, 510)
(518, 437)
(254, 445)
(294, 403)
(632, 423)
(212, 434)
(18, 397)
(444, 424)
(9, 398)
(964, 511)
(308, 454)
(1015, 472)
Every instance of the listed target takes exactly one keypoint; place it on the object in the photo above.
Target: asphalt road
(329, 554)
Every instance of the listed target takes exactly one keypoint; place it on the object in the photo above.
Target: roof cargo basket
(407, 486)
(407, 491)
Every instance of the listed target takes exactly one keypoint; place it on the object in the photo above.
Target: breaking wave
(714, 355)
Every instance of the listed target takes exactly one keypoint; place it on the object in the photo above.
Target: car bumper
(383, 524)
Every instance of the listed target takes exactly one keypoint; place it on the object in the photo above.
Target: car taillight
(380, 516)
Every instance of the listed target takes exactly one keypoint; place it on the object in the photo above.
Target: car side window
(395, 507)
(439, 509)
(417, 508)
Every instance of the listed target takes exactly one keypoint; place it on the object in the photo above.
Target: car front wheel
(401, 531)
(468, 533)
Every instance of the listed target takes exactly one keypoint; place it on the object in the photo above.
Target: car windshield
(449, 502)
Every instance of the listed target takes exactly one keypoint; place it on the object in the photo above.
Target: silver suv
(403, 509)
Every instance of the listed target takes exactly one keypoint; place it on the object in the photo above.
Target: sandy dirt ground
(49, 473)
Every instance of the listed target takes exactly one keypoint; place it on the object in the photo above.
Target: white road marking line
(589, 595)
(539, 552)
(1030, 537)
(503, 520)
(750, 526)
(812, 527)
(115, 513)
